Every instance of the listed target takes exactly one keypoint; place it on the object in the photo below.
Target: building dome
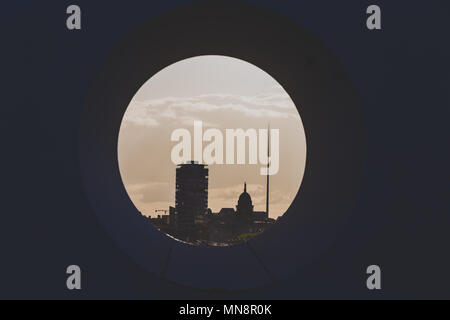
(244, 205)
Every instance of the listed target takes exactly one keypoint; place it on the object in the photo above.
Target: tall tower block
(191, 196)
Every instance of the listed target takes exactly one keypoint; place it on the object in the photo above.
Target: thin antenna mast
(268, 164)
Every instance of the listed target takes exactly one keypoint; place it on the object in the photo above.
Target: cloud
(150, 192)
(175, 110)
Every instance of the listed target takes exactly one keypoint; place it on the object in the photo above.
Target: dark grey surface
(401, 218)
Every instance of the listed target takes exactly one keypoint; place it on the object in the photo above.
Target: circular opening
(331, 115)
(194, 145)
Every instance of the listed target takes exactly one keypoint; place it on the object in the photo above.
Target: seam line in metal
(261, 262)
